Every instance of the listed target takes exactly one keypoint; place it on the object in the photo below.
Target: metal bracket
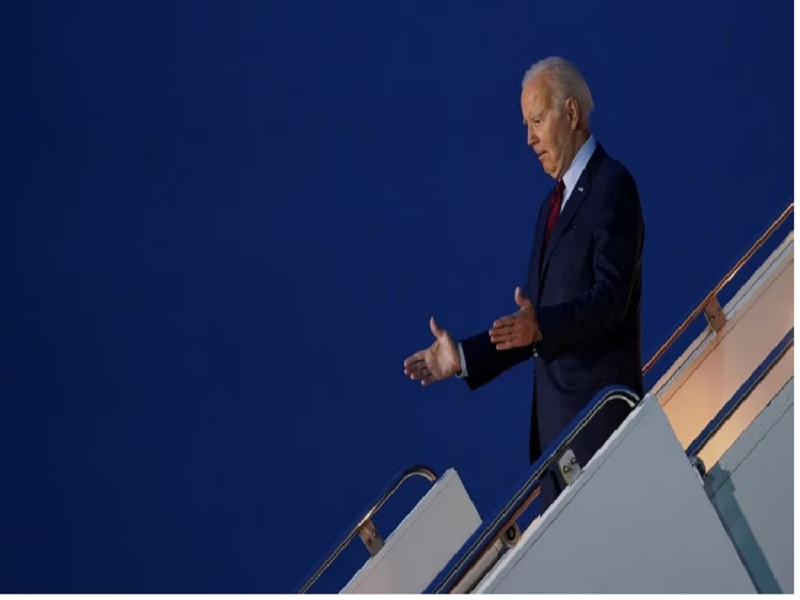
(511, 536)
(699, 468)
(714, 314)
(371, 538)
(569, 467)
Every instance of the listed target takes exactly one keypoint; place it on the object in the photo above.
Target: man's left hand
(519, 329)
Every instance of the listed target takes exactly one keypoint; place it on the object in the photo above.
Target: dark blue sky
(229, 223)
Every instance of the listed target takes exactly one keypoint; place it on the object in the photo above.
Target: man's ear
(573, 113)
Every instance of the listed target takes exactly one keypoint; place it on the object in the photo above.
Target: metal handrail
(713, 293)
(742, 394)
(417, 470)
(484, 539)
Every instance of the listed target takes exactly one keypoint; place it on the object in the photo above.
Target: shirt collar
(578, 165)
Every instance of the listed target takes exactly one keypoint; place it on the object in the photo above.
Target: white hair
(565, 81)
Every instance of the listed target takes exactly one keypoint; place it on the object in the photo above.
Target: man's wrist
(462, 366)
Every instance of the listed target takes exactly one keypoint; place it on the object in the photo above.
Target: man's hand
(436, 363)
(518, 330)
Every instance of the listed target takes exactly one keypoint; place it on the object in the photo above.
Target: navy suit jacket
(586, 287)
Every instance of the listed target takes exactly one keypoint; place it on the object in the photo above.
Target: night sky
(225, 226)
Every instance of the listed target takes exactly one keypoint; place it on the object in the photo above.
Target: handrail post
(714, 313)
(371, 538)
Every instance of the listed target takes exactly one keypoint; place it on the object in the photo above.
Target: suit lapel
(572, 206)
(538, 237)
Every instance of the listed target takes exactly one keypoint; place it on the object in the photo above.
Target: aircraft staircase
(694, 493)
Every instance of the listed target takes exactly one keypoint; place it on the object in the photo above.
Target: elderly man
(579, 311)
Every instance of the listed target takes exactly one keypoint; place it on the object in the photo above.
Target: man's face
(548, 127)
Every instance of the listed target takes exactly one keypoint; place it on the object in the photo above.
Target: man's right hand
(436, 363)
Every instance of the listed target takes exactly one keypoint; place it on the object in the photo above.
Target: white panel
(752, 487)
(749, 409)
(422, 544)
(636, 521)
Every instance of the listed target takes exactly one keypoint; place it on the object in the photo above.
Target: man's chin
(548, 171)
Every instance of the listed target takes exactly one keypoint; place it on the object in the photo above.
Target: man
(579, 312)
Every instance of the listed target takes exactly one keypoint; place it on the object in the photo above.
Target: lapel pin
(580, 189)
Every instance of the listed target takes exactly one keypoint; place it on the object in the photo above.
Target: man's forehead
(535, 94)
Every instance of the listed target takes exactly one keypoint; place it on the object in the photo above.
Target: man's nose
(532, 139)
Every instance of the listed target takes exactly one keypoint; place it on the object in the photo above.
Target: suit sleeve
(618, 237)
(485, 362)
